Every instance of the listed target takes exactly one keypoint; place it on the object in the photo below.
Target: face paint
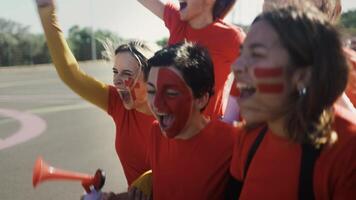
(274, 74)
(172, 103)
(125, 85)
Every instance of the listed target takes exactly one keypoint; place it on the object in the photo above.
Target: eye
(172, 93)
(257, 54)
(151, 92)
(126, 73)
(114, 70)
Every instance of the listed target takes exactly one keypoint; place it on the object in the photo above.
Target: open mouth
(165, 120)
(125, 96)
(245, 90)
(182, 5)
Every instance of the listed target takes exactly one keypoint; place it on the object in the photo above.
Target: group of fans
(288, 130)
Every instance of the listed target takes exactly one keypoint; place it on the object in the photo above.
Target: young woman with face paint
(125, 102)
(332, 10)
(291, 72)
(189, 154)
(201, 22)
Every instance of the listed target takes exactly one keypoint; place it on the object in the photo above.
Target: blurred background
(87, 22)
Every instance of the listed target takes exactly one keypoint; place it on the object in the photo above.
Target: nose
(159, 104)
(238, 67)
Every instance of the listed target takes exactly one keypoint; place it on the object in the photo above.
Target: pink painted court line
(30, 126)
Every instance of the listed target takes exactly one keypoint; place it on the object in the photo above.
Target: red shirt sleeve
(171, 16)
(115, 106)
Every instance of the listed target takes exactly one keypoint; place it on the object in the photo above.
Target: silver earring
(302, 92)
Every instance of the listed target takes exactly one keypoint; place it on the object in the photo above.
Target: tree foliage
(20, 47)
(348, 22)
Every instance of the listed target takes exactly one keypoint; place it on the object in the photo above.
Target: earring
(302, 92)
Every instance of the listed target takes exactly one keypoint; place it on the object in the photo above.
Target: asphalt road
(68, 132)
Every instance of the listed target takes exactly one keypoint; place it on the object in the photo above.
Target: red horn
(42, 172)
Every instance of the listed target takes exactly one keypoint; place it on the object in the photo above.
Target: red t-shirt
(132, 132)
(197, 168)
(222, 41)
(351, 87)
(274, 170)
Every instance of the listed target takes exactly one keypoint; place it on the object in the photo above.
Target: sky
(127, 18)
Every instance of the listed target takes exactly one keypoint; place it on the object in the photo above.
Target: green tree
(162, 42)
(348, 22)
(20, 47)
(80, 40)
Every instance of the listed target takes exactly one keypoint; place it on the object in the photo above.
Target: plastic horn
(42, 172)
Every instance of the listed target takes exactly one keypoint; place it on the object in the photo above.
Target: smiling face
(191, 9)
(261, 75)
(129, 81)
(170, 99)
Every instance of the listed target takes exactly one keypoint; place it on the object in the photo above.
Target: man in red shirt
(189, 153)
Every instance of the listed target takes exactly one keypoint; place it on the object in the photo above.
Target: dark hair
(140, 50)
(192, 61)
(222, 7)
(312, 43)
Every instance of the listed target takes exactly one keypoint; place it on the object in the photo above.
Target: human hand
(43, 3)
(93, 195)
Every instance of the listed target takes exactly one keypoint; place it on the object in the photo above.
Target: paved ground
(39, 115)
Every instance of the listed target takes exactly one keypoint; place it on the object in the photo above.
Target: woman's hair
(312, 44)
(193, 62)
(222, 7)
(331, 8)
(140, 50)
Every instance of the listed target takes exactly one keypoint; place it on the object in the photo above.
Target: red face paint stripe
(269, 72)
(270, 88)
(128, 82)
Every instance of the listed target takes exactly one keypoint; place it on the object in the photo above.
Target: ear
(301, 78)
(201, 102)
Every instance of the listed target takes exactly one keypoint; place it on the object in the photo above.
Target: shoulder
(223, 131)
(344, 147)
(232, 31)
(345, 123)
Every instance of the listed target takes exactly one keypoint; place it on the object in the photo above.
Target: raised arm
(155, 6)
(66, 65)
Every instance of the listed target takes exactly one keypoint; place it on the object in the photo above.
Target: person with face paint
(125, 102)
(189, 153)
(332, 10)
(296, 142)
(201, 22)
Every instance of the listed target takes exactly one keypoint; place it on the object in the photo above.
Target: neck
(195, 127)
(277, 127)
(143, 108)
(201, 21)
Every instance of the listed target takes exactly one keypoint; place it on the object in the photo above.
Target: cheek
(139, 91)
(269, 80)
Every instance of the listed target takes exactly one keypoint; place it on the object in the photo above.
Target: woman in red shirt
(291, 72)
